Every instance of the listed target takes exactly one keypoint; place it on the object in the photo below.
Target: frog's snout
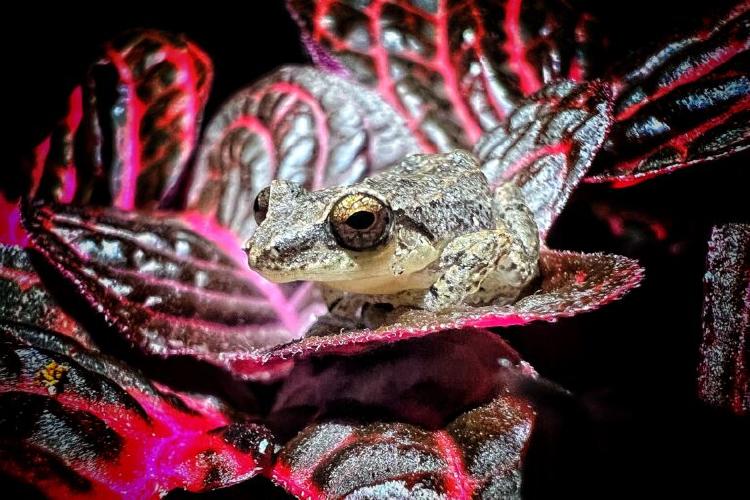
(260, 256)
(252, 253)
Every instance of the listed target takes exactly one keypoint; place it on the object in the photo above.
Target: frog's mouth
(345, 270)
(338, 268)
(355, 282)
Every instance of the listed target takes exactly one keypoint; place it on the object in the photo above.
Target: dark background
(632, 365)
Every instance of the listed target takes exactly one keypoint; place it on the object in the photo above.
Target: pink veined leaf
(478, 455)
(299, 124)
(451, 68)
(687, 103)
(571, 284)
(130, 128)
(144, 102)
(547, 145)
(724, 368)
(128, 133)
(25, 300)
(164, 288)
(75, 424)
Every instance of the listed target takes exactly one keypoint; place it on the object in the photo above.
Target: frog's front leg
(520, 265)
(468, 260)
(491, 266)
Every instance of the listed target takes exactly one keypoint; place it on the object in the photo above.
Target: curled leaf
(724, 369)
(686, 103)
(299, 124)
(451, 68)
(547, 145)
(478, 455)
(170, 291)
(77, 423)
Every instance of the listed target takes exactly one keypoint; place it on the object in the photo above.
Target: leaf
(166, 289)
(130, 128)
(547, 145)
(299, 124)
(52, 174)
(571, 284)
(162, 86)
(686, 103)
(25, 299)
(11, 229)
(407, 382)
(724, 368)
(102, 430)
(452, 69)
(478, 455)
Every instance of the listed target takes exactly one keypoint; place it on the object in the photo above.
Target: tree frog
(428, 233)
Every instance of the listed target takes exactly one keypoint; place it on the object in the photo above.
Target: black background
(632, 364)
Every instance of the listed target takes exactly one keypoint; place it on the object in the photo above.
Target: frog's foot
(376, 314)
(333, 324)
(343, 304)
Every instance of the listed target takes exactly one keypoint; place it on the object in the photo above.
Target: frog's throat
(380, 273)
(385, 285)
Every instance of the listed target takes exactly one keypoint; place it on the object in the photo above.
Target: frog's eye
(360, 221)
(260, 207)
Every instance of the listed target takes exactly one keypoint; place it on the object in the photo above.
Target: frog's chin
(289, 276)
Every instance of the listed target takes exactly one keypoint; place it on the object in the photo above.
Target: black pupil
(261, 201)
(360, 220)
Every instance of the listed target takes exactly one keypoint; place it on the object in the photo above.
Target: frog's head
(337, 234)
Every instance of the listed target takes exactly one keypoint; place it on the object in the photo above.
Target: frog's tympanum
(428, 233)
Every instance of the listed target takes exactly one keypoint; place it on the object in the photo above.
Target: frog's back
(445, 195)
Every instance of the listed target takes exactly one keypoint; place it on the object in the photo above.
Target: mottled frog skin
(428, 233)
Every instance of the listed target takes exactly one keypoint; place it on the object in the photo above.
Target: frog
(428, 233)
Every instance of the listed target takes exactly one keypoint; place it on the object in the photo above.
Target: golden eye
(260, 207)
(360, 221)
